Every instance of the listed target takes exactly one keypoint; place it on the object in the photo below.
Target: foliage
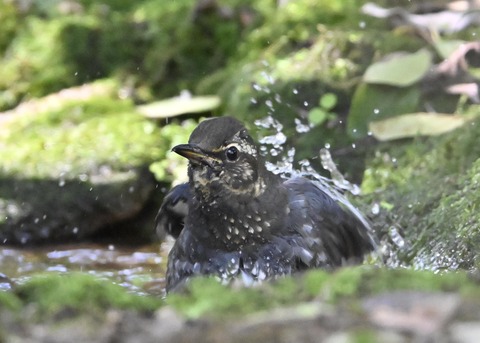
(173, 167)
(319, 115)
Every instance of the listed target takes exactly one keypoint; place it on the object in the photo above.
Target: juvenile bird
(234, 218)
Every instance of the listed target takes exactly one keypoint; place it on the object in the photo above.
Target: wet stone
(46, 213)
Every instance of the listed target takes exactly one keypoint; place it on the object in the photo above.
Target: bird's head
(223, 159)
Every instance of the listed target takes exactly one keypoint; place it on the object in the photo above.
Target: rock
(72, 165)
(52, 211)
(419, 313)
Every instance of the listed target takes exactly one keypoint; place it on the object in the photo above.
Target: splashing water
(334, 187)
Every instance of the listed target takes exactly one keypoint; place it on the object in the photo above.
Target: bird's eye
(232, 153)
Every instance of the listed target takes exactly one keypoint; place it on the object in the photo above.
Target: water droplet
(295, 91)
(376, 111)
(61, 183)
(300, 127)
(268, 77)
(305, 103)
(257, 87)
(397, 239)
(375, 208)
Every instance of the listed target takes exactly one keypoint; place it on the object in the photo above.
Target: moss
(173, 167)
(79, 137)
(431, 186)
(206, 297)
(51, 293)
(9, 301)
(8, 17)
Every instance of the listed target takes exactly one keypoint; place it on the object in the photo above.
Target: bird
(236, 220)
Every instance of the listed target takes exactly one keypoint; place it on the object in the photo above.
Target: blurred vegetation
(329, 69)
(431, 188)
(60, 141)
(292, 52)
(206, 297)
(48, 295)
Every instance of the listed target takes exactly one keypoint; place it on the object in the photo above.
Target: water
(335, 186)
(139, 269)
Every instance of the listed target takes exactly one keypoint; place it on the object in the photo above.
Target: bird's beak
(196, 155)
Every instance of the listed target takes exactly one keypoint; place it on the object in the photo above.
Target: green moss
(364, 336)
(9, 301)
(205, 296)
(431, 185)
(173, 167)
(8, 17)
(51, 293)
(79, 137)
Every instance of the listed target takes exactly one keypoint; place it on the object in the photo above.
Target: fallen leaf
(377, 102)
(401, 70)
(179, 105)
(445, 48)
(444, 21)
(415, 124)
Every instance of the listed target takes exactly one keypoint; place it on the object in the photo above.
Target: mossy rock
(427, 190)
(52, 293)
(205, 297)
(69, 170)
(316, 305)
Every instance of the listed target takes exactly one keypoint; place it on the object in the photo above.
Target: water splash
(337, 177)
(335, 186)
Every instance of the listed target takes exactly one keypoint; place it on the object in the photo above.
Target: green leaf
(374, 102)
(414, 124)
(400, 70)
(179, 105)
(446, 47)
(317, 116)
(328, 101)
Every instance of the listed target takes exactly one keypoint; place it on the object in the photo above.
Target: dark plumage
(242, 220)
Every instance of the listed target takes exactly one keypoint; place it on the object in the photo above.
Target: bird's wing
(172, 213)
(330, 228)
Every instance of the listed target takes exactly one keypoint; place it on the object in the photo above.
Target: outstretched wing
(172, 213)
(331, 230)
